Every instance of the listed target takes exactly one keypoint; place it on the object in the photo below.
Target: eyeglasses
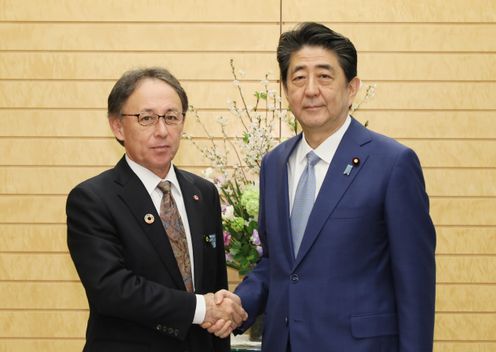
(171, 118)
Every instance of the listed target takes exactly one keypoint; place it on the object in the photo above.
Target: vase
(256, 329)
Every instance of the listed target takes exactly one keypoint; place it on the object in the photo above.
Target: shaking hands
(224, 313)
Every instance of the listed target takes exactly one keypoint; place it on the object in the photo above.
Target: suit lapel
(193, 200)
(283, 193)
(336, 182)
(137, 199)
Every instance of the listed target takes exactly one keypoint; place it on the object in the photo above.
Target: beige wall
(434, 65)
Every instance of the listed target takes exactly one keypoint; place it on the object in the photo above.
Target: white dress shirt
(297, 160)
(151, 181)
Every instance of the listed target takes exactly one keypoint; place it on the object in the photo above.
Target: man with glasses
(145, 236)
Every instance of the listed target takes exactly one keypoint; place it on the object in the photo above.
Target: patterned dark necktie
(174, 228)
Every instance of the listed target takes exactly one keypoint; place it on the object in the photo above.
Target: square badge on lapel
(211, 240)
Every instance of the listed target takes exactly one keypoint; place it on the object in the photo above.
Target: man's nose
(312, 87)
(161, 127)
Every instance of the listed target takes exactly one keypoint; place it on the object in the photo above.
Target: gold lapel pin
(356, 161)
(149, 219)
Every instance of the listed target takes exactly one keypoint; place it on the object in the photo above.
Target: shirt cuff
(200, 310)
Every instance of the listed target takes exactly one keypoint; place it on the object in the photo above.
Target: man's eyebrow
(321, 66)
(326, 67)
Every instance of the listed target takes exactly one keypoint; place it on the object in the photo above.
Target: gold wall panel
(434, 95)
(433, 63)
(213, 95)
(214, 65)
(397, 124)
(41, 345)
(58, 266)
(389, 11)
(421, 66)
(465, 326)
(106, 152)
(54, 123)
(455, 153)
(33, 237)
(466, 269)
(42, 295)
(37, 266)
(466, 298)
(429, 124)
(57, 151)
(416, 37)
(55, 180)
(256, 36)
(43, 324)
(32, 209)
(80, 36)
(129, 10)
(463, 211)
(93, 94)
(111, 65)
(464, 346)
(52, 238)
(94, 123)
(461, 182)
(44, 180)
(76, 345)
(466, 240)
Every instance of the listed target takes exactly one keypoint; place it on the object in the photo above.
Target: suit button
(286, 321)
(294, 277)
(170, 331)
(158, 327)
(176, 332)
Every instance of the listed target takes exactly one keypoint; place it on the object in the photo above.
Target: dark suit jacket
(364, 277)
(136, 295)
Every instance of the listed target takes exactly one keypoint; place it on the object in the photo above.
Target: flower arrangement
(235, 164)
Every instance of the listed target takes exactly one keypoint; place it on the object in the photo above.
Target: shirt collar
(149, 179)
(327, 148)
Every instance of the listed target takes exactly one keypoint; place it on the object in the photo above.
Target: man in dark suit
(145, 236)
(349, 245)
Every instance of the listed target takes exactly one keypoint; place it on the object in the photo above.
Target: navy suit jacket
(136, 295)
(364, 277)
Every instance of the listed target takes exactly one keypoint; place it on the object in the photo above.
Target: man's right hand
(224, 313)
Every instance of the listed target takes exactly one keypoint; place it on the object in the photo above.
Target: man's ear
(115, 123)
(285, 91)
(353, 86)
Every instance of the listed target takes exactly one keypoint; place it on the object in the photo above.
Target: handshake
(224, 313)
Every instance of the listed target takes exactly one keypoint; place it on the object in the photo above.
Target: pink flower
(259, 250)
(255, 238)
(227, 239)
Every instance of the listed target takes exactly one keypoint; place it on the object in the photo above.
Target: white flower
(223, 121)
(228, 212)
(208, 172)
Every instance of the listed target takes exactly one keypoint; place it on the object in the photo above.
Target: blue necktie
(303, 201)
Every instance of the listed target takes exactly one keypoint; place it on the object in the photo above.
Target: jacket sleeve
(112, 287)
(412, 242)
